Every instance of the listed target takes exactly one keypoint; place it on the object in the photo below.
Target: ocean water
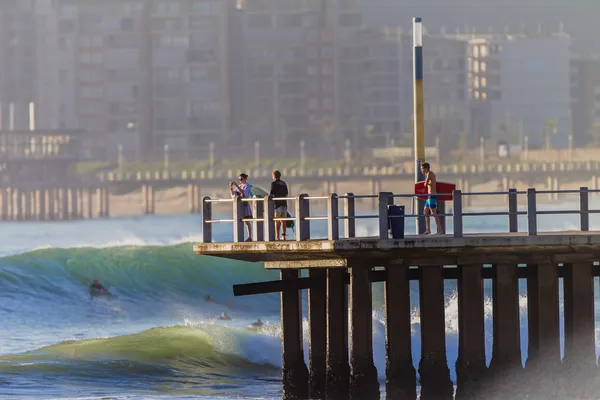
(157, 337)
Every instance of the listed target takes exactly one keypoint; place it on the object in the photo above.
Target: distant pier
(342, 268)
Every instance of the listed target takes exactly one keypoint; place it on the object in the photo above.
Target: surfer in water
(257, 324)
(96, 289)
(224, 316)
(431, 202)
(243, 190)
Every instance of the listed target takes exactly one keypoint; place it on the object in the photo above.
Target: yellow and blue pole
(419, 113)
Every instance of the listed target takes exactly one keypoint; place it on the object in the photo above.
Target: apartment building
(377, 89)
(146, 73)
(517, 84)
(585, 91)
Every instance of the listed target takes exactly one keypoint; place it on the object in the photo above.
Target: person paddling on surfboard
(431, 202)
(96, 289)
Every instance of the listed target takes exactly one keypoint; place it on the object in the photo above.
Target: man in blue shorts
(431, 203)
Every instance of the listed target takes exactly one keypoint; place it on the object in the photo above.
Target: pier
(342, 267)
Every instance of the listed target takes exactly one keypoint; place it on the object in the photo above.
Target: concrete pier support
(28, 199)
(51, 194)
(295, 374)
(506, 353)
(401, 379)
(74, 200)
(42, 204)
(90, 203)
(470, 365)
(5, 203)
(556, 187)
(317, 321)
(100, 202)
(64, 201)
(363, 374)
(193, 203)
(148, 196)
(433, 367)
(19, 202)
(338, 370)
(106, 195)
(543, 358)
(579, 360)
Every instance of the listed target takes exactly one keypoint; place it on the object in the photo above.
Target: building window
(127, 24)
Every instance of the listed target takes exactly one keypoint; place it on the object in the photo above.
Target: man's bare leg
(426, 211)
(249, 230)
(437, 220)
(277, 228)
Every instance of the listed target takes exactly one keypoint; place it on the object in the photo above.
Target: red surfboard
(444, 188)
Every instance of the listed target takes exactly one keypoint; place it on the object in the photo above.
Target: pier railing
(263, 213)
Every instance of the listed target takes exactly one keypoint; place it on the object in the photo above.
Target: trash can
(396, 224)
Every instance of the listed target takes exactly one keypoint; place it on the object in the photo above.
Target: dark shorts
(431, 202)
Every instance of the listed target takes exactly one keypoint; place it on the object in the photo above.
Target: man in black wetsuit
(279, 190)
(97, 288)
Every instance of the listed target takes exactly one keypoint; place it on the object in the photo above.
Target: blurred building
(146, 73)
(518, 85)
(585, 85)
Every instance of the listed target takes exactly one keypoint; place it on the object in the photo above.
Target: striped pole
(419, 117)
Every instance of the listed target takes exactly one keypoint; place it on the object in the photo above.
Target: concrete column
(470, 365)
(5, 202)
(64, 204)
(506, 354)
(106, 194)
(543, 358)
(19, 202)
(191, 198)
(580, 359)
(550, 186)
(90, 203)
(295, 374)
(11, 204)
(43, 215)
(199, 198)
(595, 184)
(401, 379)
(338, 370)
(51, 193)
(100, 201)
(375, 189)
(556, 187)
(28, 207)
(433, 368)
(317, 321)
(363, 374)
(74, 211)
(146, 198)
(81, 203)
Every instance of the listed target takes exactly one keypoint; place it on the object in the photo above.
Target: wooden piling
(64, 197)
(543, 359)
(338, 370)
(433, 367)
(317, 321)
(580, 355)
(5, 202)
(19, 201)
(363, 374)
(51, 193)
(505, 365)
(401, 380)
(294, 371)
(470, 365)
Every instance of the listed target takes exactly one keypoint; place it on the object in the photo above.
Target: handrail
(263, 212)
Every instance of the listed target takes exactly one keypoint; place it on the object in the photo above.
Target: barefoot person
(279, 190)
(243, 190)
(431, 203)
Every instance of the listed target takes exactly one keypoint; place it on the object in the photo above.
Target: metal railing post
(333, 223)
(383, 215)
(206, 216)
(350, 212)
(238, 224)
(258, 230)
(269, 213)
(457, 213)
(584, 207)
(302, 212)
(531, 212)
(513, 217)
